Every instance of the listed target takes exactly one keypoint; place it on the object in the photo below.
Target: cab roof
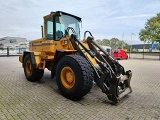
(60, 12)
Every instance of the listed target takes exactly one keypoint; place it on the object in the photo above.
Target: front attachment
(112, 78)
(119, 87)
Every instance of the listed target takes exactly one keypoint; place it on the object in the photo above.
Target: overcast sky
(104, 18)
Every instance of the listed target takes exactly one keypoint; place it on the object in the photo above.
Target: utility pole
(131, 45)
(122, 40)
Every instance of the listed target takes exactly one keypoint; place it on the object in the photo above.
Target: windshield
(65, 21)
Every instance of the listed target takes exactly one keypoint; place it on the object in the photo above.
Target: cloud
(105, 18)
(134, 16)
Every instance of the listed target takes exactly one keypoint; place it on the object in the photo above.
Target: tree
(99, 41)
(151, 31)
(144, 35)
(106, 42)
(114, 43)
(158, 47)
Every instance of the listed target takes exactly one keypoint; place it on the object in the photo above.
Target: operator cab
(59, 24)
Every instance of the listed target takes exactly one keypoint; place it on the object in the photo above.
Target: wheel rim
(67, 77)
(28, 67)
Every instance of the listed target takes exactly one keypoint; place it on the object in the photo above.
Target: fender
(35, 58)
(60, 53)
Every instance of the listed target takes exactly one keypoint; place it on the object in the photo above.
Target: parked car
(119, 54)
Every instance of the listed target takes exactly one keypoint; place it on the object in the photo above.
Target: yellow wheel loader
(73, 62)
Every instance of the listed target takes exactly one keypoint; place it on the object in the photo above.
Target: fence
(144, 55)
(12, 52)
(134, 55)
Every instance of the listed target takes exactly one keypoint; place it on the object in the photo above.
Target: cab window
(63, 22)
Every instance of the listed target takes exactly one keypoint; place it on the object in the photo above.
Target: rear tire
(32, 74)
(74, 76)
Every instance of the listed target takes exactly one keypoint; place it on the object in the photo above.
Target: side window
(49, 29)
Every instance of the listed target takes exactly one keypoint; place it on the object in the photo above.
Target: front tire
(32, 74)
(74, 76)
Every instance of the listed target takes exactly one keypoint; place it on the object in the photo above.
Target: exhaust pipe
(42, 30)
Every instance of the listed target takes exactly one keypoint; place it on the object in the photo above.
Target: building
(142, 47)
(12, 42)
(145, 47)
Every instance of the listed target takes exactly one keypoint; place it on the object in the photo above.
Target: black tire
(32, 74)
(82, 77)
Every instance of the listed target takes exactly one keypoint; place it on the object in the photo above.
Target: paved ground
(23, 100)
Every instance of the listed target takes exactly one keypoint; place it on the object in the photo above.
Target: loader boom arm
(111, 76)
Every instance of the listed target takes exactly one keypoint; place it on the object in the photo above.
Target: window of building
(12, 40)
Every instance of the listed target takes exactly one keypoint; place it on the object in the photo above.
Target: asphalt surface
(24, 100)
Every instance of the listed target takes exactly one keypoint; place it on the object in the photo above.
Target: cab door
(48, 44)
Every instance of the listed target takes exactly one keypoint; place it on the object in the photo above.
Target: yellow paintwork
(50, 46)
(67, 77)
(37, 58)
(21, 58)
